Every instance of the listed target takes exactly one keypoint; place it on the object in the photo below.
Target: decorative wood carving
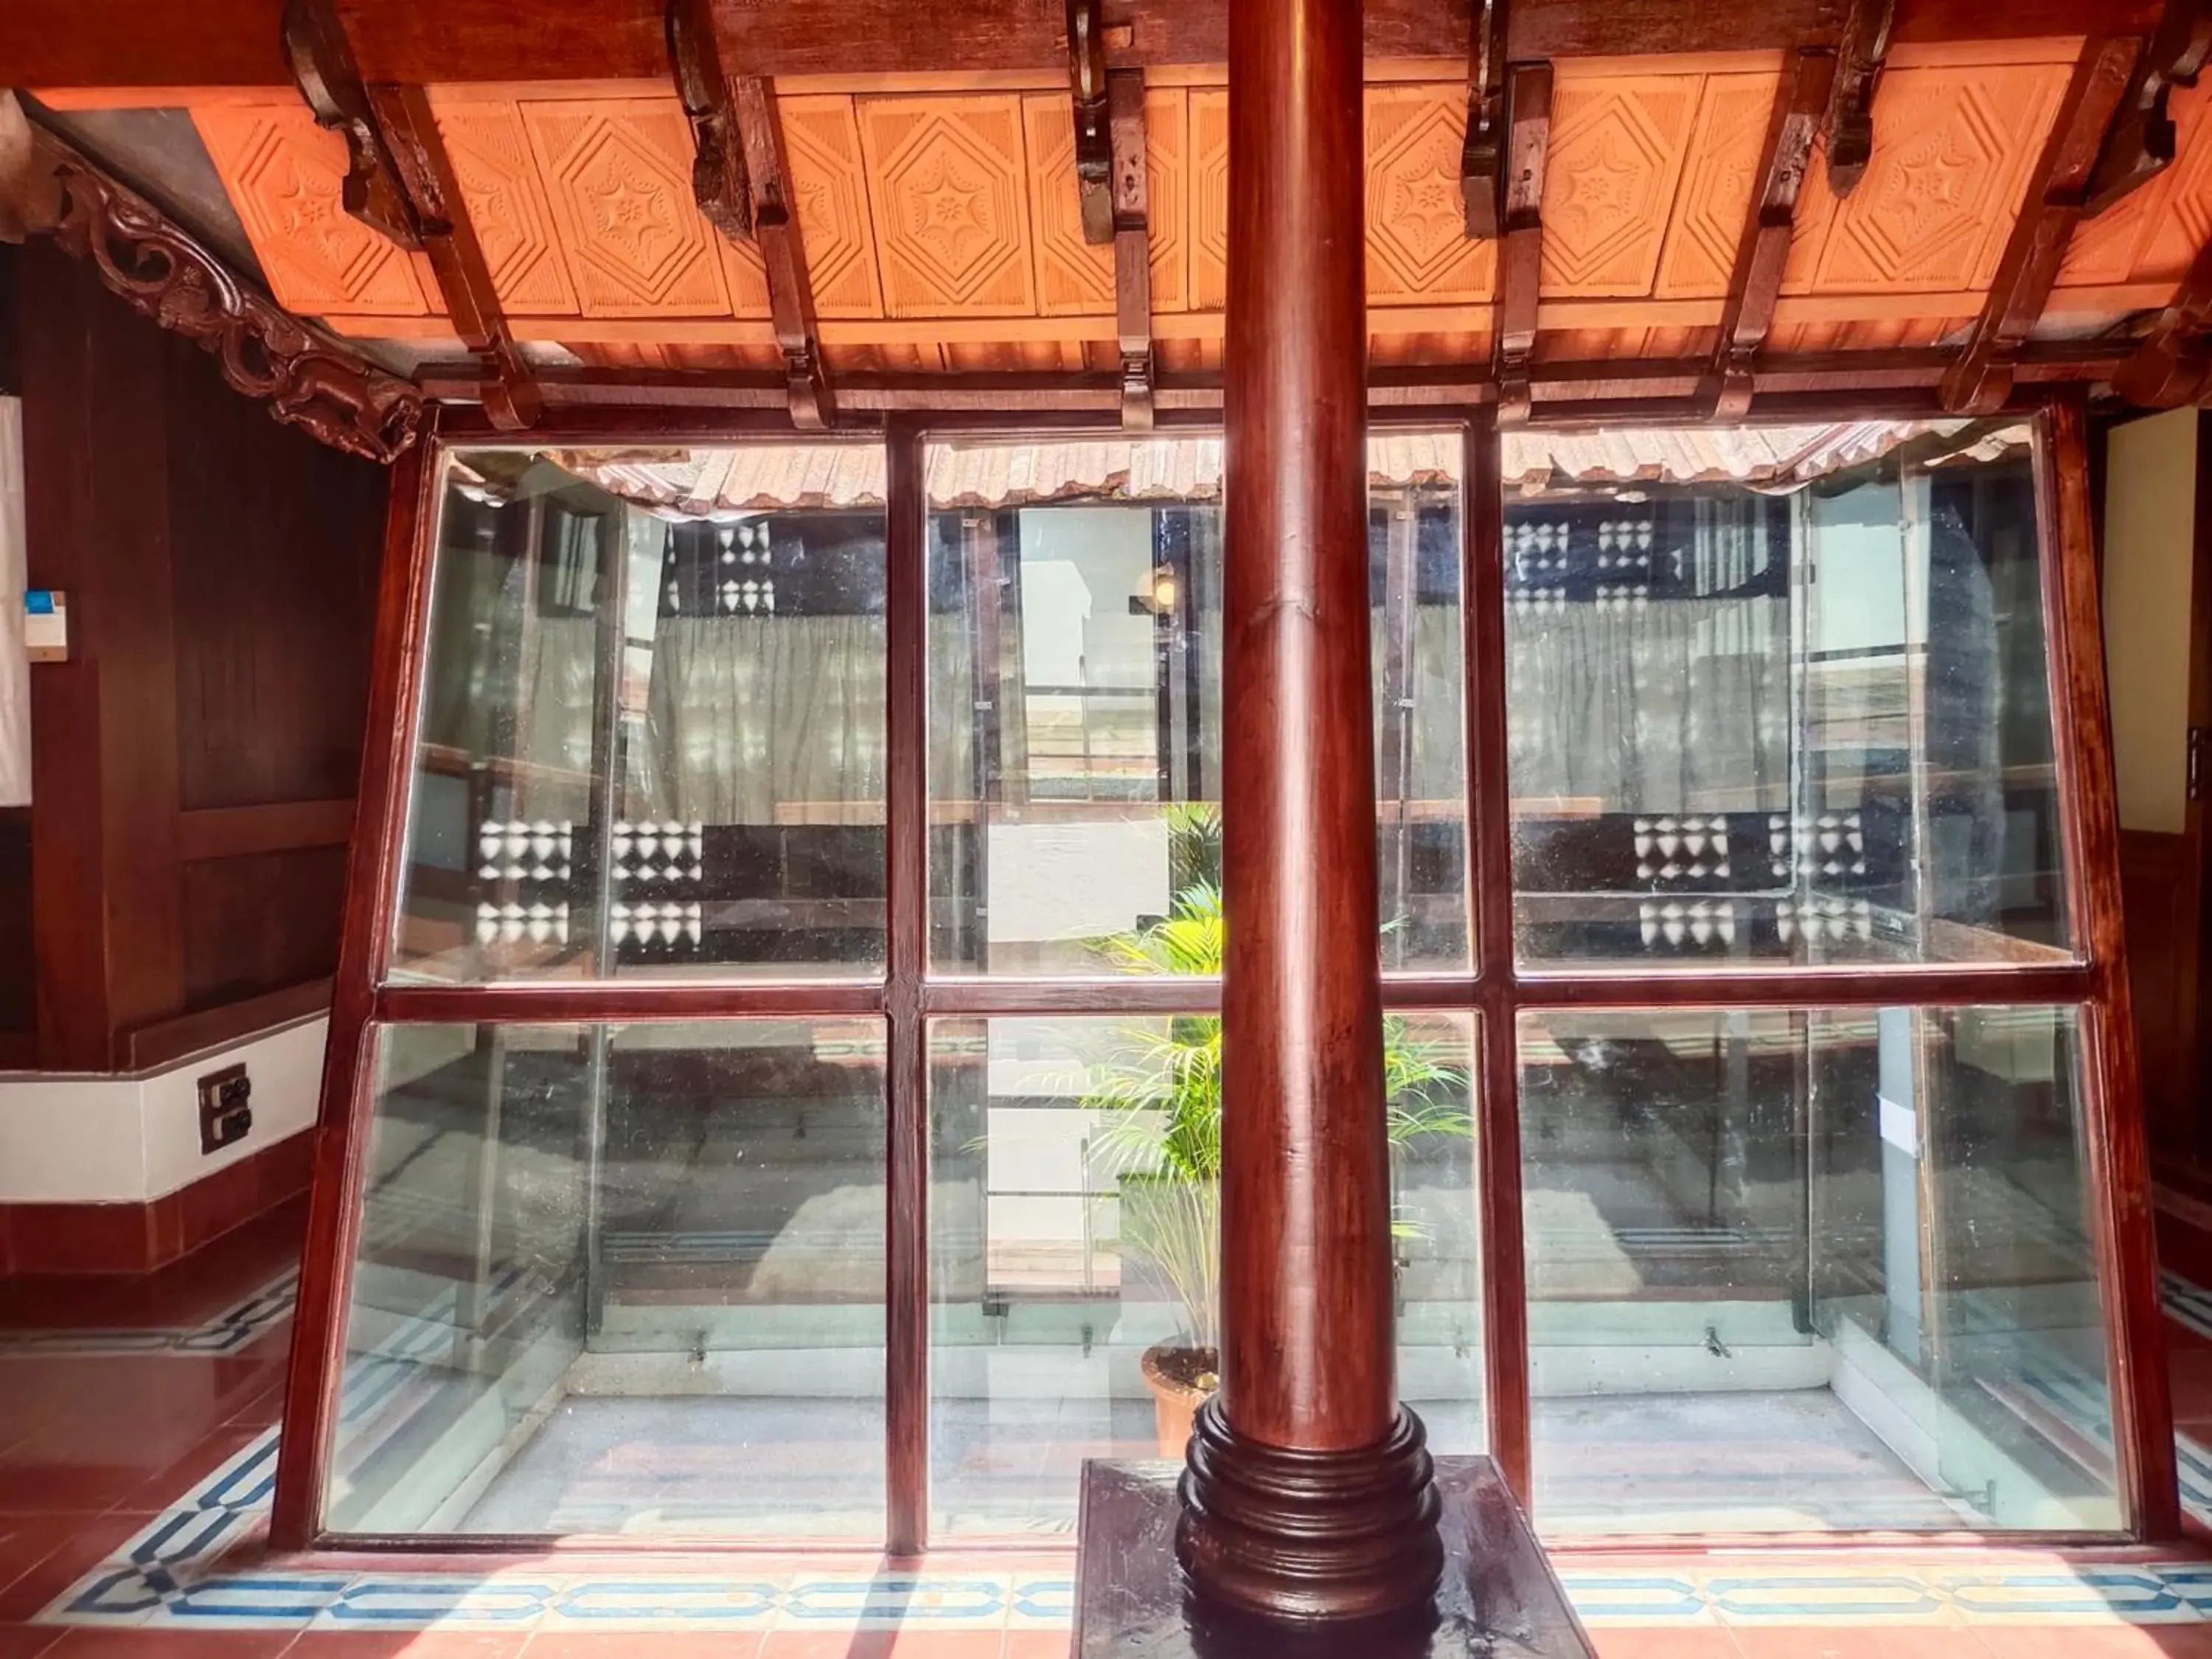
(322, 68)
(1520, 253)
(308, 380)
(719, 184)
(1616, 147)
(1850, 117)
(1982, 378)
(950, 204)
(1723, 178)
(783, 254)
(1482, 142)
(2144, 142)
(1418, 249)
(1093, 144)
(829, 190)
(1762, 246)
(1133, 263)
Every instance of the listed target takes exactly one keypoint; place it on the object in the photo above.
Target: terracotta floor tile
(1038, 1644)
(2096, 1641)
(168, 1643)
(408, 1645)
(1858, 1642)
(648, 1644)
(1710, 1643)
(27, 1641)
(86, 1546)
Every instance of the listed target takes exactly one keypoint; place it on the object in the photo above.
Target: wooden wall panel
(1418, 249)
(1617, 150)
(18, 1008)
(258, 922)
(948, 192)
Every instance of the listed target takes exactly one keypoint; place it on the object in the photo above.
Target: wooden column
(1309, 1494)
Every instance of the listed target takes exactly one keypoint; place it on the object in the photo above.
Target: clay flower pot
(1180, 1379)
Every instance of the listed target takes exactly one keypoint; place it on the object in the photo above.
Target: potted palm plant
(1159, 1145)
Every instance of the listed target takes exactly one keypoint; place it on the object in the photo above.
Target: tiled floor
(137, 1444)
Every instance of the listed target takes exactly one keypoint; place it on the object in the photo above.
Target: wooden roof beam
(718, 184)
(1866, 41)
(1763, 250)
(1482, 152)
(402, 173)
(2056, 197)
(1521, 242)
(1094, 141)
(2173, 365)
(1133, 245)
(2141, 143)
(783, 252)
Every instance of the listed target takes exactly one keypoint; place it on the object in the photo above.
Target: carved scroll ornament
(265, 352)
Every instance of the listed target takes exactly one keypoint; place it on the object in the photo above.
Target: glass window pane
(1075, 704)
(1075, 1251)
(653, 717)
(1793, 1270)
(1780, 693)
(620, 1279)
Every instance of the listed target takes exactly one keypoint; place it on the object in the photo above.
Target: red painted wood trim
(226, 832)
(341, 1130)
(2118, 1155)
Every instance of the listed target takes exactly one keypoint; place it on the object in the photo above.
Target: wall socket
(226, 1108)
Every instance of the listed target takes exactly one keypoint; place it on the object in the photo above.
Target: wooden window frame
(1493, 991)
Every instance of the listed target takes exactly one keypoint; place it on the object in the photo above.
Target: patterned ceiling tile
(822, 147)
(285, 176)
(1718, 178)
(1617, 149)
(1167, 144)
(1418, 249)
(1208, 173)
(950, 204)
(617, 174)
(506, 202)
(2152, 234)
(1953, 147)
(1073, 277)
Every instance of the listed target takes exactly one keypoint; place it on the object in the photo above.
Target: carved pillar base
(1311, 1537)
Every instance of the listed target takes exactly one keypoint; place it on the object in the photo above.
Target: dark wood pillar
(1309, 1494)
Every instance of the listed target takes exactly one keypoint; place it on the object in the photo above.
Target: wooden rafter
(783, 254)
(2141, 143)
(718, 164)
(1094, 143)
(1482, 152)
(1866, 39)
(1133, 244)
(307, 380)
(400, 171)
(2057, 195)
(1521, 224)
(1763, 249)
(2173, 365)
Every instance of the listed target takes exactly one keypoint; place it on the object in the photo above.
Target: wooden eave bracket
(2173, 365)
(1982, 378)
(1089, 92)
(1521, 242)
(1763, 250)
(1865, 45)
(163, 272)
(1482, 151)
(718, 163)
(783, 254)
(1133, 247)
(2142, 144)
(392, 134)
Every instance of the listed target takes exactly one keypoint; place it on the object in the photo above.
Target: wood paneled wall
(194, 761)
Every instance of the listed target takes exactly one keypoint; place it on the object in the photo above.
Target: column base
(1311, 1537)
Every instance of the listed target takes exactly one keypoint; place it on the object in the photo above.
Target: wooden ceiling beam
(2142, 143)
(400, 181)
(2173, 365)
(1763, 250)
(1868, 29)
(1482, 152)
(718, 184)
(235, 43)
(1133, 244)
(783, 254)
(1094, 142)
(1521, 240)
(2055, 198)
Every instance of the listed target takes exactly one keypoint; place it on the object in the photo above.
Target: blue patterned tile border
(227, 1333)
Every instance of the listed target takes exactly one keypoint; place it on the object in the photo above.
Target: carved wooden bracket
(2142, 144)
(308, 380)
(1763, 250)
(1094, 141)
(323, 67)
(2173, 365)
(1133, 245)
(783, 252)
(1520, 247)
(1982, 378)
(1482, 152)
(718, 163)
(1858, 70)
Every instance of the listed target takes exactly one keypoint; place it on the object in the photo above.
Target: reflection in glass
(1780, 693)
(1798, 1270)
(653, 724)
(620, 1279)
(1075, 1250)
(1075, 700)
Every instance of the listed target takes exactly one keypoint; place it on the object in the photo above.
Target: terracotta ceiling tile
(285, 176)
(1209, 198)
(1418, 249)
(506, 202)
(829, 187)
(1073, 277)
(1617, 144)
(949, 202)
(1167, 146)
(1718, 178)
